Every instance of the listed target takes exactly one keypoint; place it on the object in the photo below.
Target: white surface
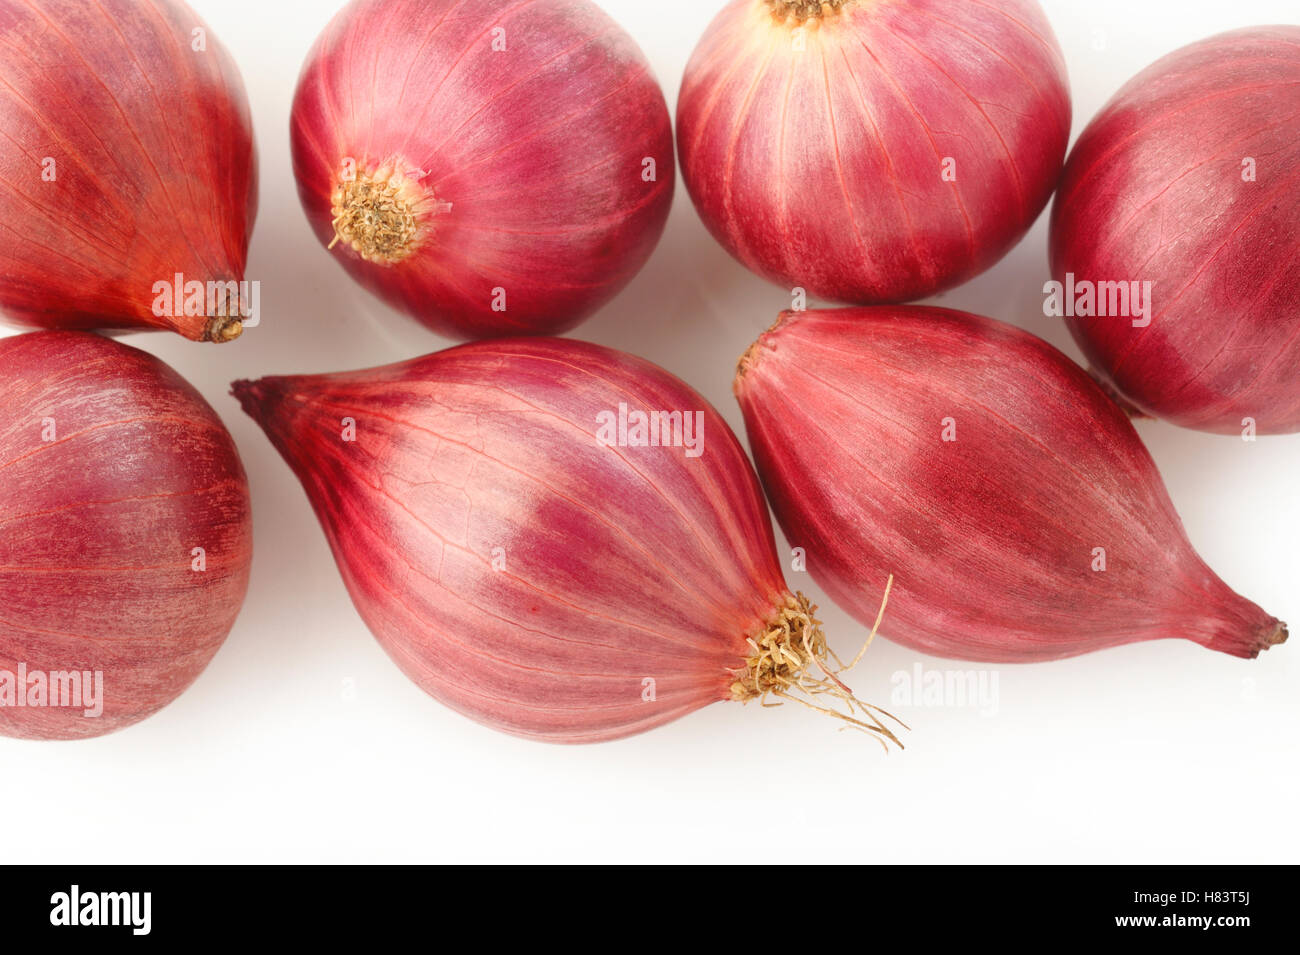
(302, 741)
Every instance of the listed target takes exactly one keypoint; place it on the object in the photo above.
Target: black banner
(91, 906)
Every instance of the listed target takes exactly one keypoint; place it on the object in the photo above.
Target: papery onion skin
(514, 567)
(1157, 190)
(993, 536)
(824, 167)
(113, 469)
(523, 170)
(154, 168)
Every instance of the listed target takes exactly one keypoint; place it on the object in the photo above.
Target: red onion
(873, 151)
(1012, 499)
(526, 558)
(1186, 180)
(125, 537)
(128, 169)
(489, 169)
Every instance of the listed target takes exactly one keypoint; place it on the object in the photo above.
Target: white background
(1164, 752)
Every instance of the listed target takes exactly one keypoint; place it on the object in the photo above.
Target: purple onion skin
(113, 469)
(1187, 179)
(873, 151)
(128, 158)
(517, 569)
(521, 156)
(1012, 500)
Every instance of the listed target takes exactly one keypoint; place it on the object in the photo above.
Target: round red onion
(489, 171)
(1013, 501)
(525, 558)
(873, 151)
(1187, 180)
(128, 168)
(125, 536)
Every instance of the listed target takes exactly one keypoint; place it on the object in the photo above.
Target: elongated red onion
(128, 170)
(1013, 501)
(1183, 192)
(525, 557)
(873, 150)
(491, 169)
(125, 536)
